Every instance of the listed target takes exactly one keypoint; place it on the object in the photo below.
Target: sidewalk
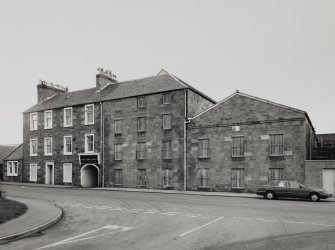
(162, 191)
(39, 216)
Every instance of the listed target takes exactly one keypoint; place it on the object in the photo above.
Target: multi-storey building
(127, 133)
(159, 132)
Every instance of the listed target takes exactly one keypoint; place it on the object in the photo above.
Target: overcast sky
(283, 51)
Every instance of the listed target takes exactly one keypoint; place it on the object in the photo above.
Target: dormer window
(89, 114)
(33, 121)
(48, 119)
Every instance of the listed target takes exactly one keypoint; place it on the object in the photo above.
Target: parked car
(291, 189)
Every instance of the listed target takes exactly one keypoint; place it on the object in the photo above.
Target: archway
(89, 176)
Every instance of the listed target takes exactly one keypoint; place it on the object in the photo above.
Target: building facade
(244, 141)
(160, 132)
(127, 134)
(13, 167)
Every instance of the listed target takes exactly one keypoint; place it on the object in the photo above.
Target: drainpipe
(102, 148)
(185, 137)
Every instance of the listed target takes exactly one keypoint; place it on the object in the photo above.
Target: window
(235, 128)
(166, 122)
(89, 114)
(33, 172)
(33, 121)
(33, 147)
(118, 127)
(68, 145)
(203, 177)
(12, 168)
(276, 174)
(203, 148)
(294, 184)
(89, 143)
(141, 102)
(67, 117)
(141, 124)
(237, 178)
(141, 150)
(48, 146)
(238, 146)
(48, 119)
(118, 177)
(118, 152)
(276, 144)
(118, 105)
(166, 177)
(142, 178)
(67, 172)
(166, 98)
(167, 149)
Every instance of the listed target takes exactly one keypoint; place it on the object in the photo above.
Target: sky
(283, 51)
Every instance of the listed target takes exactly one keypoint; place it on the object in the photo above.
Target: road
(123, 220)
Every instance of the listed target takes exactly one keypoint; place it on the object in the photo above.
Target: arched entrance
(89, 176)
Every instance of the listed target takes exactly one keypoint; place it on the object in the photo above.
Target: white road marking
(79, 237)
(265, 220)
(244, 218)
(291, 221)
(192, 230)
(324, 225)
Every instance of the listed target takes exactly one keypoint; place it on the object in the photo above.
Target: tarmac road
(123, 220)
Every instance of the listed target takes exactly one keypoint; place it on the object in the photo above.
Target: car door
(280, 189)
(295, 190)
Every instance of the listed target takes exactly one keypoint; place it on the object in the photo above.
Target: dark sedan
(291, 189)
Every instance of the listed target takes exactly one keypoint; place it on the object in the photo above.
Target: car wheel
(270, 195)
(314, 197)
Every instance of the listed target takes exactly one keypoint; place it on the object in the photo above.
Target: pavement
(162, 191)
(39, 216)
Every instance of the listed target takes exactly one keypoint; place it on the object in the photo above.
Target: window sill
(47, 154)
(237, 156)
(89, 152)
(117, 159)
(67, 154)
(89, 123)
(277, 155)
(33, 129)
(141, 159)
(120, 133)
(12, 175)
(33, 155)
(47, 128)
(203, 157)
(68, 126)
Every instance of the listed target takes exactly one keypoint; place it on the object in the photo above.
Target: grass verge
(10, 209)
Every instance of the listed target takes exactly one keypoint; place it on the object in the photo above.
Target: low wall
(313, 171)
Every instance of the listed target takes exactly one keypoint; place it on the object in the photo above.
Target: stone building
(12, 171)
(4, 151)
(160, 132)
(244, 141)
(128, 134)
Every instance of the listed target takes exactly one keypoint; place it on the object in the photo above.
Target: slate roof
(16, 154)
(154, 84)
(6, 150)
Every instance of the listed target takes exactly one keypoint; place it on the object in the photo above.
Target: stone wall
(256, 121)
(12, 178)
(78, 131)
(196, 103)
(153, 138)
(314, 171)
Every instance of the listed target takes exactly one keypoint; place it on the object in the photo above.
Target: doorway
(49, 173)
(328, 180)
(90, 176)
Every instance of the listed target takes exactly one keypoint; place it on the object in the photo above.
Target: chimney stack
(47, 89)
(105, 77)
